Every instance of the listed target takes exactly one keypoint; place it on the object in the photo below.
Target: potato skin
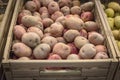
(47, 22)
(18, 31)
(31, 39)
(21, 50)
(73, 57)
(62, 50)
(101, 55)
(41, 51)
(88, 6)
(75, 10)
(63, 3)
(31, 6)
(65, 10)
(56, 15)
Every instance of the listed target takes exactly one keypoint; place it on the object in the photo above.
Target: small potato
(47, 22)
(18, 31)
(43, 9)
(65, 10)
(74, 49)
(37, 14)
(95, 38)
(62, 50)
(56, 15)
(70, 35)
(38, 4)
(80, 41)
(87, 16)
(29, 21)
(23, 58)
(45, 15)
(21, 14)
(54, 57)
(61, 20)
(56, 29)
(88, 6)
(63, 3)
(83, 33)
(31, 39)
(91, 26)
(53, 7)
(61, 39)
(101, 55)
(41, 51)
(49, 40)
(73, 22)
(21, 50)
(31, 6)
(75, 10)
(73, 57)
(36, 30)
(45, 2)
(47, 30)
(39, 25)
(101, 48)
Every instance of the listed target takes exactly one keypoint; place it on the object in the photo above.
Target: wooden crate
(89, 69)
(117, 72)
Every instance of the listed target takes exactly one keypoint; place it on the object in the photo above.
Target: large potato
(31, 39)
(41, 51)
(21, 50)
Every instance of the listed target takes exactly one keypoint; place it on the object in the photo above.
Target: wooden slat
(96, 78)
(23, 79)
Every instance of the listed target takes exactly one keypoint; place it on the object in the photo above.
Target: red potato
(41, 51)
(80, 41)
(45, 15)
(70, 35)
(87, 16)
(91, 26)
(75, 10)
(54, 57)
(83, 33)
(21, 14)
(61, 39)
(101, 48)
(65, 10)
(53, 7)
(56, 15)
(56, 29)
(45, 2)
(36, 30)
(88, 51)
(74, 49)
(73, 57)
(61, 20)
(63, 3)
(38, 4)
(73, 22)
(43, 9)
(88, 6)
(31, 39)
(23, 58)
(101, 55)
(18, 31)
(31, 6)
(29, 21)
(21, 50)
(49, 40)
(62, 50)
(95, 38)
(47, 22)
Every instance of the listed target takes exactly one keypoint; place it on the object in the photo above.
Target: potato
(63, 3)
(39, 25)
(49, 40)
(31, 39)
(36, 30)
(21, 14)
(91, 26)
(83, 33)
(43, 9)
(23, 58)
(54, 57)
(80, 41)
(70, 35)
(29, 21)
(88, 6)
(73, 22)
(38, 4)
(87, 16)
(47, 30)
(101, 55)
(65, 10)
(101, 48)
(56, 29)
(45, 15)
(41, 51)
(74, 49)
(61, 39)
(37, 14)
(76, 2)
(18, 31)
(62, 49)
(95, 38)
(87, 51)
(47, 22)
(21, 50)
(73, 57)
(61, 20)
(46, 34)
(45, 2)
(56, 15)
(31, 6)
(75, 10)
(53, 7)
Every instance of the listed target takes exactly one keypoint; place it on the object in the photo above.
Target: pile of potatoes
(57, 30)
